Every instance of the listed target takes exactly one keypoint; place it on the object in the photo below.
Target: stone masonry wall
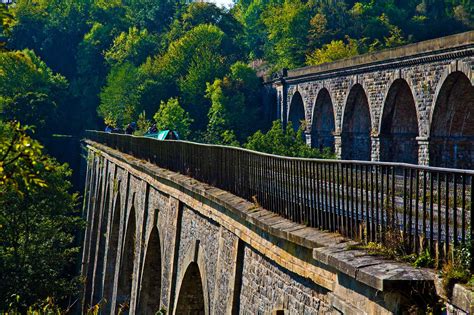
(239, 266)
(424, 75)
(267, 287)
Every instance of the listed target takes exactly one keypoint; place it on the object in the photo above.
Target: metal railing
(411, 206)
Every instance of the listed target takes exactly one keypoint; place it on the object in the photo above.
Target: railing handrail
(416, 206)
(337, 161)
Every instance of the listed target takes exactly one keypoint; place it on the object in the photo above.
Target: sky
(225, 3)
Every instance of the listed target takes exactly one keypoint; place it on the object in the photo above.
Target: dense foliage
(69, 65)
(125, 57)
(171, 116)
(30, 91)
(285, 141)
(38, 223)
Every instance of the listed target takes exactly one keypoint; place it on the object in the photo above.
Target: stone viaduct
(159, 240)
(162, 241)
(412, 104)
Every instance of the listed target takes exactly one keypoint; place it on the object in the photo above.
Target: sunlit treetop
(21, 158)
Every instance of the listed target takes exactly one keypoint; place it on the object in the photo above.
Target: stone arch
(125, 277)
(194, 255)
(398, 127)
(150, 291)
(112, 248)
(323, 121)
(356, 126)
(452, 123)
(296, 111)
(99, 273)
(94, 231)
(191, 294)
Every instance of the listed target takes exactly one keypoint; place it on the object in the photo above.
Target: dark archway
(94, 231)
(452, 125)
(322, 127)
(355, 137)
(99, 273)
(399, 125)
(297, 113)
(191, 294)
(150, 291)
(112, 252)
(124, 285)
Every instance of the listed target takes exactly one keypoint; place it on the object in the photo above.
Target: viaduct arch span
(159, 240)
(169, 242)
(410, 104)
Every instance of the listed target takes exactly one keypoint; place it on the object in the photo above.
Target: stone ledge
(463, 298)
(327, 248)
(374, 271)
(427, 49)
(343, 307)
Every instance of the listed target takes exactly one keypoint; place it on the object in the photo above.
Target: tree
(29, 91)
(120, 99)
(331, 21)
(197, 13)
(21, 159)
(234, 104)
(154, 15)
(200, 56)
(53, 29)
(91, 74)
(284, 142)
(22, 72)
(171, 116)
(287, 26)
(133, 46)
(254, 36)
(218, 129)
(5, 21)
(463, 11)
(33, 108)
(335, 50)
(38, 221)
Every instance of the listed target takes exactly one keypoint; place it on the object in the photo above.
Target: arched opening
(191, 294)
(355, 137)
(124, 286)
(322, 127)
(94, 232)
(399, 125)
(99, 273)
(296, 114)
(452, 125)
(112, 251)
(150, 291)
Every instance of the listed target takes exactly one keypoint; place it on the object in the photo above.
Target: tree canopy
(144, 52)
(38, 223)
(71, 65)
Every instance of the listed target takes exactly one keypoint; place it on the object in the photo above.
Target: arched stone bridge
(412, 104)
(158, 240)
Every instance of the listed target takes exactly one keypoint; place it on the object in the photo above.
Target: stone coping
(424, 48)
(463, 298)
(329, 249)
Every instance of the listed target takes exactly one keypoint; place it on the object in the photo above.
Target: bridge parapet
(456, 46)
(189, 247)
(217, 253)
(422, 207)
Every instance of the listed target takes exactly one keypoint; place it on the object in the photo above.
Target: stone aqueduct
(161, 240)
(158, 240)
(412, 104)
